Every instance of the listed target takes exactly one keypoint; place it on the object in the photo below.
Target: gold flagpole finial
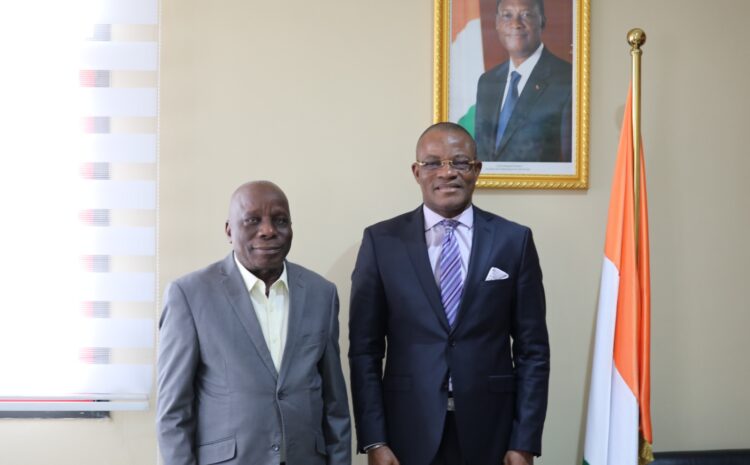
(636, 37)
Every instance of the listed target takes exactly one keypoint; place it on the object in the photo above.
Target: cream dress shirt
(272, 311)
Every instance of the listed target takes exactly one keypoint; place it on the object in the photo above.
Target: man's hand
(382, 455)
(517, 457)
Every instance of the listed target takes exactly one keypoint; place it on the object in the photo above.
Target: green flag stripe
(467, 120)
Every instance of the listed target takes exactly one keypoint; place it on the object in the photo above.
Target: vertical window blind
(78, 187)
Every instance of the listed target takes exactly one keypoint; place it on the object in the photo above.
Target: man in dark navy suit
(452, 297)
(524, 104)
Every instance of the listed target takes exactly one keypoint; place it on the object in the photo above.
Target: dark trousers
(449, 452)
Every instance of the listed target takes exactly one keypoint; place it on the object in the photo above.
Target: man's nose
(267, 228)
(447, 169)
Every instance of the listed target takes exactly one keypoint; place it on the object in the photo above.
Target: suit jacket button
(275, 448)
(280, 395)
(452, 342)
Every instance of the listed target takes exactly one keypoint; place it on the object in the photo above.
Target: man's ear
(415, 170)
(228, 231)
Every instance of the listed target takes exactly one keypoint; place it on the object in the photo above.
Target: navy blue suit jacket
(540, 125)
(497, 352)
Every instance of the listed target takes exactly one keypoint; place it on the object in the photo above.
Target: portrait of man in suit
(249, 368)
(451, 298)
(524, 105)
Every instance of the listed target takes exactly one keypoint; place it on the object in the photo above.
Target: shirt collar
(251, 280)
(528, 64)
(431, 218)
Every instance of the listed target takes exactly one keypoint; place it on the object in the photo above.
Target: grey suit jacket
(220, 399)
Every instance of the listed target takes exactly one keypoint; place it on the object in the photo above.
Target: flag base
(646, 453)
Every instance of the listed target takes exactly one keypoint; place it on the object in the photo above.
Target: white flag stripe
(467, 64)
(612, 423)
(600, 395)
(623, 432)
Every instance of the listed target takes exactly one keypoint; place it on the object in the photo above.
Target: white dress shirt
(434, 233)
(524, 70)
(272, 311)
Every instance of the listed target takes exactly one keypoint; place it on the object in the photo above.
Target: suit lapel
(413, 237)
(496, 103)
(533, 89)
(479, 259)
(295, 316)
(239, 298)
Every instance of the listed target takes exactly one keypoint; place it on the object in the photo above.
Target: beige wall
(327, 98)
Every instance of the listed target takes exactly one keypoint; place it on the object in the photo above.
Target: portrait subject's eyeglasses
(458, 165)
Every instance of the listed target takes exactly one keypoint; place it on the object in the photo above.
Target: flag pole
(636, 38)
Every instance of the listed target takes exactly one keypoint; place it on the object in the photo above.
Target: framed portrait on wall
(515, 74)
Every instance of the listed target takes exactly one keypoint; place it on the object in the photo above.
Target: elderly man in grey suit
(249, 369)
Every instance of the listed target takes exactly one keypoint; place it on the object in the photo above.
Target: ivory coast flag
(467, 62)
(618, 428)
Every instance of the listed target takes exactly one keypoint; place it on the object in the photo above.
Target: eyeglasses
(458, 165)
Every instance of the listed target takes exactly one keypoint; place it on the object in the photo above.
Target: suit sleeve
(367, 331)
(483, 120)
(336, 422)
(531, 354)
(566, 132)
(176, 369)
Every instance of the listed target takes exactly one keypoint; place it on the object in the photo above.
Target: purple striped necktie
(449, 266)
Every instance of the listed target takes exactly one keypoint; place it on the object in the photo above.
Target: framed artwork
(515, 74)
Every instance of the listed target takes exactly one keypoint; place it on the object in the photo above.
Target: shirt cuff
(374, 446)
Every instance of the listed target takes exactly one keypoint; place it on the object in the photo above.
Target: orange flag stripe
(632, 326)
(644, 330)
(462, 11)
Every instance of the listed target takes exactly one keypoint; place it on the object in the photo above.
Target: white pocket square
(496, 274)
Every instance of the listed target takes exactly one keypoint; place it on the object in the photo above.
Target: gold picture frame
(572, 171)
